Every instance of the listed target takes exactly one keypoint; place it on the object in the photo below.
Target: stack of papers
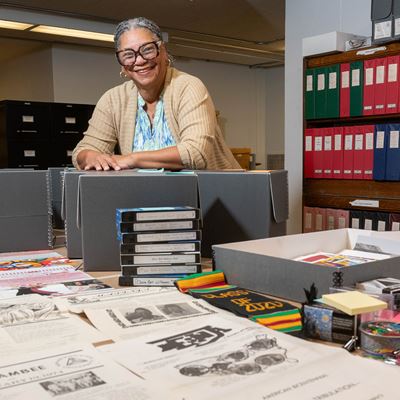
(344, 258)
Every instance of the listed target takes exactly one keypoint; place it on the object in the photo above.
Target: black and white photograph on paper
(71, 384)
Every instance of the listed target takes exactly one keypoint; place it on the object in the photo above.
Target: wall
(27, 77)
(303, 19)
(83, 74)
(275, 103)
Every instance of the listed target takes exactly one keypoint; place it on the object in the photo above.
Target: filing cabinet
(39, 134)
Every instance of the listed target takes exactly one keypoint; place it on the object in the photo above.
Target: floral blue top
(148, 137)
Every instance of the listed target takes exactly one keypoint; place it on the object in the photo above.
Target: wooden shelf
(348, 56)
(336, 193)
(339, 194)
(360, 120)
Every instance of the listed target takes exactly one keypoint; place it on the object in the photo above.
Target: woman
(160, 118)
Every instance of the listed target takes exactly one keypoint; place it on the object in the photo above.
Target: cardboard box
(56, 195)
(268, 265)
(327, 43)
(239, 206)
(69, 212)
(25, 211)
(227, 201)
(101, 194)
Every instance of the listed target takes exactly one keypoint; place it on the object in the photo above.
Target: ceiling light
(53, 30)
(14, 25)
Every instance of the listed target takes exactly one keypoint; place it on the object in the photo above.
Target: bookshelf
(339, 193)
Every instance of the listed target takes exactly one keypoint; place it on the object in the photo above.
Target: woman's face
(146, 74)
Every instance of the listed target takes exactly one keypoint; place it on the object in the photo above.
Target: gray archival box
(101, 194)
(235, 206)
(239, 206)
(25, 214)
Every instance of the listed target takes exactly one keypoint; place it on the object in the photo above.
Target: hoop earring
(122, 74)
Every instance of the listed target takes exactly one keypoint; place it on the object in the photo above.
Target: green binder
(333, 89)
(320, 85)
(309, 94)
(356, 88)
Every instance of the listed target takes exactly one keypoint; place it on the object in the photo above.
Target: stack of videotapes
(158, 245)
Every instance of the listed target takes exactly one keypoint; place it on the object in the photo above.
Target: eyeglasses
(148, 51)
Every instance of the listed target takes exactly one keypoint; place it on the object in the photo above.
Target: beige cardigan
(190, 115)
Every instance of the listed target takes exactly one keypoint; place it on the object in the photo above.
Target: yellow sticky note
(353, 302)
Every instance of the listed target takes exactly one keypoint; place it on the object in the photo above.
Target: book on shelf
(353, 302)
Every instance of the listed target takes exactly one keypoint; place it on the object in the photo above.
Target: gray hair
(136, 23)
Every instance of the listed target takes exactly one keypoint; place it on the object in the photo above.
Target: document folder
(369, 87)
(309, 95)
(321, 83)
(333, 89)
(356, 88)
(392, 170)
(392, 85)
(381, 16)
(380, 85)
(344, 90)
(380, 145)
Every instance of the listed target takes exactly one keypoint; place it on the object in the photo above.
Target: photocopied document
(142, 316)
(32, 322)
(235, 360)
(70, 373)
(102, 299)
(39, 276)
(32, 259)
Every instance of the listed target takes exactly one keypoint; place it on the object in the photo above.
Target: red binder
(369, 151)
(392, 85)
(308, 219)
(308, 154)
(330, 219)
(380, 85)
(318, 154)
(328, 152)
(337, 155)
(368, 89)
(348, 152)
(320, 219)
(342, 219)
(358, 153)
(345, 90)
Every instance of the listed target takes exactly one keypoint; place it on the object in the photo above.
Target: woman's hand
(91, 159)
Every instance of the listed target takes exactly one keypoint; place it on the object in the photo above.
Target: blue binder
(392, 172)
(380, 144)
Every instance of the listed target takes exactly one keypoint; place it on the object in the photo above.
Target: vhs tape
(164, 237)
(129, 270)
(138, 248)
(149, 280)
(161, 258)
(126, 227)
(156, 214)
